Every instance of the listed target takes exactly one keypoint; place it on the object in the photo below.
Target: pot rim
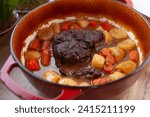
(147, 59)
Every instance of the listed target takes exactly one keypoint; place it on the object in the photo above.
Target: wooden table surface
(140, 90)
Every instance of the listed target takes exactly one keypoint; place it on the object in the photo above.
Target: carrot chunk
(34, 45)
(106, 26)
(45, 57)
(105, 52)
(100, 81)
(32, 64)
(110, 59)
(93, 24)
(66, 25)
(108, 68)
(134, 55)
(45, 45)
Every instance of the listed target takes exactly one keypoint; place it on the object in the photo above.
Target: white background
(143, 6)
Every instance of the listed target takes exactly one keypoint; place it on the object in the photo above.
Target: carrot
(99, 81)
(45, 45)
(34, 45)
(106, 26)
(108, 68)
(66, 25)
(134, 55)
(45, 57)
(110, 59)
(32, 64)
(93, 24)
(105, 52)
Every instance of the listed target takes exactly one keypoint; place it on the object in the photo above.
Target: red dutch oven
(116, 11)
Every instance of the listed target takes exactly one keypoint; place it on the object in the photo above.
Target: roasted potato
(68, 81)
(108, 37)
(51, 76)
(127, 44)
(118, 53)
(126, 66)
(55, 27)
(84, 84)
(116, 75)
(100, 28)
(98, 61)
(83, 23)
(32, 54)
(118, 33)
(46, 33)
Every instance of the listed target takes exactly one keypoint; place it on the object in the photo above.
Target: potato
(46, 33)
(83, 23)
(127, 44)
(118, 33)
(98, 61)
(55, 27)
(100, 28)
(51, 76)
(32, 54)
(118, 53)
(116, 75)
(68, 81)
(126, 66)
(84, 84)
(108, 37)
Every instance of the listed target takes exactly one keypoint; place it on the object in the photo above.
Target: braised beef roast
(72, 47)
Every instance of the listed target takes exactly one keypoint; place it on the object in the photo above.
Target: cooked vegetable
(108, 68)
(100, 28)
(46, 33)
(32, 64)
(105, 52)
(98, 61)
(118, 33)
(83, 23)
(100, 81)
(127, 44)
(93, 24)
(126, 66)
(118, 53)
(32, 54)
(110, 59)
(75, 26)
(55, 27)
(45, 45)
(68, 81)
(66, 25)
(116, 75)
(34, 45)
(134, 55)
(108, 37)
(45, 57)
(84, 84)
(51, 76)
(106, 26)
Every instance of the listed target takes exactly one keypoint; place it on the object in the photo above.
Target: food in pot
(81, 51)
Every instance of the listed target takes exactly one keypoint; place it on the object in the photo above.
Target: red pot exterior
(62, 8)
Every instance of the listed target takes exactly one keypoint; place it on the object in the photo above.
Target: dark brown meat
(75, 46)
(73, 50)
(83, 73)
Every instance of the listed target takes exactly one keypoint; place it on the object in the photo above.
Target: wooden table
(140, 90)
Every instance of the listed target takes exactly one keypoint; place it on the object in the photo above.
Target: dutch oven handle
(66, 94)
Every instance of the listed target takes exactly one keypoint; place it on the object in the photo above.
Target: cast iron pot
(116, 11)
